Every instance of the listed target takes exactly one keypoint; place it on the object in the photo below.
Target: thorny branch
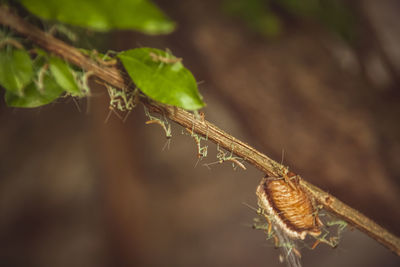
(117, 77)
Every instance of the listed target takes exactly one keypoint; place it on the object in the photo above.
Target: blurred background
(317, 79)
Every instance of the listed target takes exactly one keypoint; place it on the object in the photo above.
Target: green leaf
(63, 76)
(33, 96)
(168, 82)
(103, 15)
(15, 70)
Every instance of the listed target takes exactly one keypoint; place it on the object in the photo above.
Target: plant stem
(115, 75)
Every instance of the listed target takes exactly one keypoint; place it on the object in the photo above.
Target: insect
(341, 225)
(332, 240)
(292, 209)
(121, 100)
(292, 214)
(105, 60)
(201, 150)
(222, 157)
(267, 227)
(41, 74)
(288, 247)
(61, 29)
(163, 123)
(199, 116)
(83, 81)
(288, 177)
(167, 129)
(167, 59)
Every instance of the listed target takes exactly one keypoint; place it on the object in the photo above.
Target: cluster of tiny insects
(121, 101)
(289, 213)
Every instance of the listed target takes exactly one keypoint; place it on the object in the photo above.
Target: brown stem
(117, 77)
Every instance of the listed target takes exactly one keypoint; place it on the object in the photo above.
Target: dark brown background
(77, 192)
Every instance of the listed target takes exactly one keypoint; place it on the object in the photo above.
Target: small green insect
(121, 100)
(201, 150)
(167, 59)
(40, 80)
(222, 157)
(163, 123)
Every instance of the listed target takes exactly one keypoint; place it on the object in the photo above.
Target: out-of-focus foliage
(256, 14)
(33, 97)
(333, 14)
(62, 73)
(103, 15)
(265, 16)
(15, 69)
(157, 73)
(162, 77)
(42, 90)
